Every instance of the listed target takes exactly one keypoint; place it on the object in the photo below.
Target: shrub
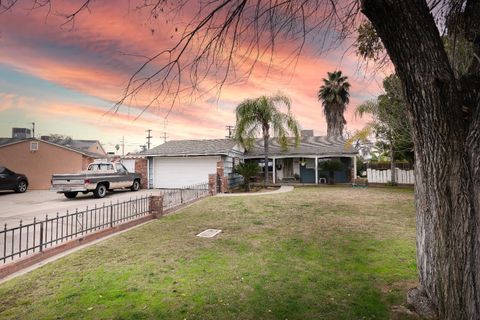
(247, 170)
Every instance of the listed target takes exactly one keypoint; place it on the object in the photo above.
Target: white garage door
(181, 172)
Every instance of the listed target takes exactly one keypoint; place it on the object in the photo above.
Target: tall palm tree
(334, 96)
(263, 115)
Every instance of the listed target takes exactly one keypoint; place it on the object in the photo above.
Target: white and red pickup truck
(100, 177)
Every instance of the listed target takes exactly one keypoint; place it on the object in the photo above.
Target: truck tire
(136, 185)
(100, 191)
(70, 195)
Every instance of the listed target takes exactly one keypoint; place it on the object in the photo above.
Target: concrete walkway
(282, 189)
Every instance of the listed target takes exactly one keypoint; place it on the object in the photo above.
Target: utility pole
(33, 129)
(230, 130)
(148, 138)
(164, 136)
(123, 145)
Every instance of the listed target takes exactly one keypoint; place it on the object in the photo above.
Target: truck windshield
(100, 167)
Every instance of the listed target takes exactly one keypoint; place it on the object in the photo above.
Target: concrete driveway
(37, 203)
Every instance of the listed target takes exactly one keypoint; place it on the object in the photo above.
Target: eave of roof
(86, 153)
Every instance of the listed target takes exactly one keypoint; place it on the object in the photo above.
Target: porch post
(274, 177)
(354, 176)
(316, 170)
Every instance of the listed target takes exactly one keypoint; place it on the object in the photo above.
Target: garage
(181, 172)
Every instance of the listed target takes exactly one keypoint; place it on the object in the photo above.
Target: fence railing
(173, 197)
(28, 238)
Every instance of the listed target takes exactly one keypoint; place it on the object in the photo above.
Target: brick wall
(141, 169)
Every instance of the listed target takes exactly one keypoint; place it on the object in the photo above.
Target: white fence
(384, 176)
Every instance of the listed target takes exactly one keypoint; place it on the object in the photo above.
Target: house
(181, 163)
(38, 159)
(302, 163)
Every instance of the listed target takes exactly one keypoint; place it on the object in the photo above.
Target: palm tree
(334, 97)
(261, 115)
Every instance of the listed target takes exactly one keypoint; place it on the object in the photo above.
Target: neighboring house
(302, 163)
(38, 159)
(180, 163)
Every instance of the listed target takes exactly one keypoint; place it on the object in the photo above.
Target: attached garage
(180, 172)
(182, 163)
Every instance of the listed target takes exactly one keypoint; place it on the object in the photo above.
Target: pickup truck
(99, 178)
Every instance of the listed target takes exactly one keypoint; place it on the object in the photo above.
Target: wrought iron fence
(43, 233)
(173, 197)
(27, 238)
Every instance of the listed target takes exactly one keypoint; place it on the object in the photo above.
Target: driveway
(37, 203)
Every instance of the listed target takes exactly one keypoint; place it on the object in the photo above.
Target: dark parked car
(10, 180)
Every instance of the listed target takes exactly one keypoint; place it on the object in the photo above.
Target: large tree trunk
(335, 121)
(446, 134)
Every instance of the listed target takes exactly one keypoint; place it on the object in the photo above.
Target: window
(120, 168)
(33, 146)
(100, 167)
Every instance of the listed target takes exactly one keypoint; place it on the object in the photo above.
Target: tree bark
(446, 134)
(335, 121)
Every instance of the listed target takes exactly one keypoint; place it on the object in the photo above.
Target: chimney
(306, 133)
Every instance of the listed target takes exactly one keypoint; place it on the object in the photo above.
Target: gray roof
(4, 141)
(192, 148)
(313, 145)
(80, 146)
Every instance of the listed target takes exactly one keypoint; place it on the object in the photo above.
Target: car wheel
(70, 195)
(100, 191)
(22, 186)
(135, 186)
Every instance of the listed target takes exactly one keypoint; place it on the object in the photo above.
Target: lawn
(314, 253)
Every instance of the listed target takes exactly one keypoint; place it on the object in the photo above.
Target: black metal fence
(178, 196)
(27, 238)
(43, 233)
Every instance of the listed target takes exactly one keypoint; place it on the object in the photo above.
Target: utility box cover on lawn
(209, 233)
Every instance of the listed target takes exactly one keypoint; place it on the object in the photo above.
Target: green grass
(315, 253)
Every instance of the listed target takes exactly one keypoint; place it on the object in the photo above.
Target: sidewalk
(282, 189)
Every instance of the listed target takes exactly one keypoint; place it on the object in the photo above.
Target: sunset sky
(67, 78)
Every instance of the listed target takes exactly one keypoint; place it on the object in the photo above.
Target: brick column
(141, 169)
(221, 177)
(156, 206)
(212, 184)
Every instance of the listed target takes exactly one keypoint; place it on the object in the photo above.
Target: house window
(33, 146)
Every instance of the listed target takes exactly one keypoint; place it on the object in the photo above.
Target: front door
(288, 168)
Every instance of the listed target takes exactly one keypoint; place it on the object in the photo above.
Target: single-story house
(302, 163)
(38, 159)
(180, 163)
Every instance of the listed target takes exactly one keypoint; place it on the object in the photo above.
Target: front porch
(306, 169)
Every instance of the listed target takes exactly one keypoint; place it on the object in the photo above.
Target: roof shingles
(192, 148)
(313, 145)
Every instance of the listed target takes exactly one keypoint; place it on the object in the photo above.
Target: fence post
(181, 195)
(156, 206)
(111, 214)
(41, 236)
